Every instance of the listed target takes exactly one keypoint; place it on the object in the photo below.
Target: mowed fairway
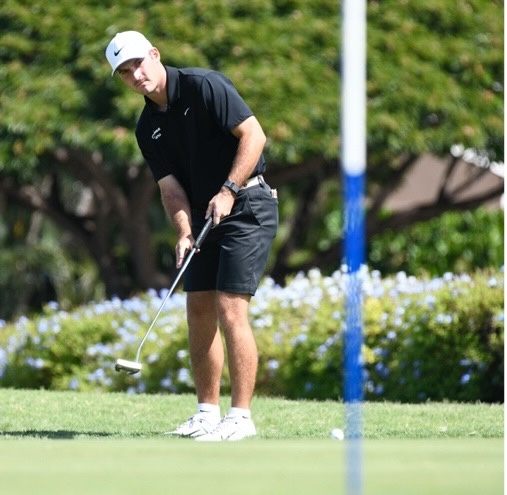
(112, 444)
(114, 467)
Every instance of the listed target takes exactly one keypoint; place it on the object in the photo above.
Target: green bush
(458, 242)
(436, 338)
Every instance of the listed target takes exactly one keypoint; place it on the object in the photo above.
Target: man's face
(142, 74)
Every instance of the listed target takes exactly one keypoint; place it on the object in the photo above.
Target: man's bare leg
(232, 310)
(205, 344)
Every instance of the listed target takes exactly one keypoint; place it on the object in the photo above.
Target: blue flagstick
(353, 365)
(353, 129)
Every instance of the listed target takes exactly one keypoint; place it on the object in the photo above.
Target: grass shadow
(54, 435)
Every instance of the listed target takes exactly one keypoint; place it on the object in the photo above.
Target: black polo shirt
(192, 140)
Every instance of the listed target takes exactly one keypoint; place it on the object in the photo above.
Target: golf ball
(337, 434)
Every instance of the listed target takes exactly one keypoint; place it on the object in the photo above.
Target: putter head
(131, 367)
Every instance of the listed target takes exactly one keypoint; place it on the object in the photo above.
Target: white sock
(208, 408)
(238, 411)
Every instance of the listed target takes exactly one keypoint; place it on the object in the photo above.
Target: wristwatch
(232, 186)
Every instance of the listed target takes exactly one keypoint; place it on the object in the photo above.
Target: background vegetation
(80, 215)
(430, 339)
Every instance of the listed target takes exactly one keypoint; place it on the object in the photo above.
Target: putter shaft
(134, 366)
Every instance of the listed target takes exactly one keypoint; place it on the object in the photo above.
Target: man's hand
(183, 246)
(220, 205)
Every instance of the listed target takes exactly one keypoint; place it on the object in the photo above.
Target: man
(204, 147)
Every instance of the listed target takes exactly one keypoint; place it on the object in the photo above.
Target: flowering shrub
(432, 339)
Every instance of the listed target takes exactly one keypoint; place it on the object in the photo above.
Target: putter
(133, 367)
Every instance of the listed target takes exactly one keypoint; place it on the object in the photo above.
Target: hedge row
(438, 338)
(457, 241)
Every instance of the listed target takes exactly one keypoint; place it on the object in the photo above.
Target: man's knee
(232, 308)
(201, 305)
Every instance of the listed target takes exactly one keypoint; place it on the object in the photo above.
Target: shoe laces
(228, 422)
(199, 417)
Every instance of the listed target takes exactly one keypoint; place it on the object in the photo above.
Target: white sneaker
(231, 428)
(199, 424)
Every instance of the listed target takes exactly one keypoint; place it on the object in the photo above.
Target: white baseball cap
(127, 46)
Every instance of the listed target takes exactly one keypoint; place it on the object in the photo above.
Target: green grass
(112, 444)
(29, 413)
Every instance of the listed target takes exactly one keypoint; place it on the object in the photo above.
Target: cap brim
(130, 56)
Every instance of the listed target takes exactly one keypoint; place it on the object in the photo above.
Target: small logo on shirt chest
(156, 133)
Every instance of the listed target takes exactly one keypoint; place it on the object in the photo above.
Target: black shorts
(233, 256)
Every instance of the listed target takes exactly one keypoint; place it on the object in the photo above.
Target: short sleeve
(223, 101)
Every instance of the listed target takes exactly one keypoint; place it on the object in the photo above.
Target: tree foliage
(67, 149)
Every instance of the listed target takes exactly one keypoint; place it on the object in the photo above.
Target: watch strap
(232, 186)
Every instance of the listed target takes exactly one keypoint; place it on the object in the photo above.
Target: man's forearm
(176, 206)
(251, 144)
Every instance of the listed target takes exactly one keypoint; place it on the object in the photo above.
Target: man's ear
(155, 54)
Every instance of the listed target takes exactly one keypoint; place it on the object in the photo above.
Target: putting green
(256, 467)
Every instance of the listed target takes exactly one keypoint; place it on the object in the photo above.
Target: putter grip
(204, 232)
